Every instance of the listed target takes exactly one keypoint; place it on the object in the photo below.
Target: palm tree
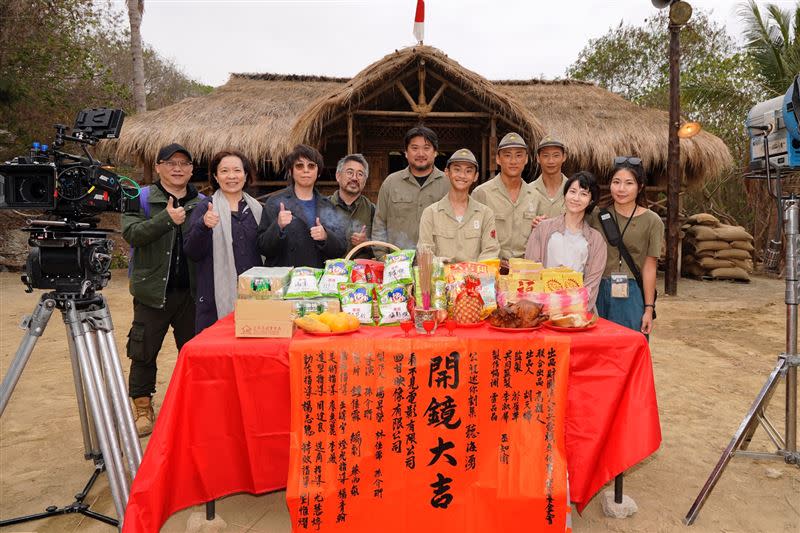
(135, 11)
(773, 40)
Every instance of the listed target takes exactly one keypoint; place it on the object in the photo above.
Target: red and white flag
(419, 21)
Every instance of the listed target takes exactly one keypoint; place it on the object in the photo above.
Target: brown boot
(143, 414)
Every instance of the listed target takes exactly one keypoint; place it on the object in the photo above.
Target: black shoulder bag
(611, 229)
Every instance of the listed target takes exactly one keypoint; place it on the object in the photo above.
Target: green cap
(512, 140)
(549, 140)
(463, 155)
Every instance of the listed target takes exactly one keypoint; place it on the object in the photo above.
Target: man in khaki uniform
(405, 194)
(352, 173)
(458, 227)
(512, 200)
(549, 186)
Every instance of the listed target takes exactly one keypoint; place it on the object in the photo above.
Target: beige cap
(512, 140)
(463, 155)
(549, 140)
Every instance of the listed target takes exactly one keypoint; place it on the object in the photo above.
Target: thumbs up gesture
(359, 237)
(211, 218)
(318, 232)
(177, 214)
(284, 217)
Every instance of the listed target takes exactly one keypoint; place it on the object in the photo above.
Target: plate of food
(326, 323)
(572, 322)
(514, 330)
(519, 316)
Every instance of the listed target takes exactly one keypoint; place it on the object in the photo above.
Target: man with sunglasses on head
(352, 173)
(160, 275)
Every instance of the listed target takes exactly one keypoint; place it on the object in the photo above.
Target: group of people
(186, 247)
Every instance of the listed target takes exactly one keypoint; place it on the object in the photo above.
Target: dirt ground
(713, 347)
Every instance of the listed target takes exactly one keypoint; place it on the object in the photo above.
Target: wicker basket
(363, 245)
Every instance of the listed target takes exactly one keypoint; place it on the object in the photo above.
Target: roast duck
(523, 314)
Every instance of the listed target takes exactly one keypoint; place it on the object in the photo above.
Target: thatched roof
(393, 66)
(252, 113)
(597, 125)
(265, 115)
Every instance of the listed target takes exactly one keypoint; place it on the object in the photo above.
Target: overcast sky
(499, 39)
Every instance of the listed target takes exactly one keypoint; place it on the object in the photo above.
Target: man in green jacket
(160, 274)
(352, 173)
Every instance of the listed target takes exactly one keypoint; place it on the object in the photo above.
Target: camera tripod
(103, 409)
(785, 368)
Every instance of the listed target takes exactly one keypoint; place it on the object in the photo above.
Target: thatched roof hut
(264, 115)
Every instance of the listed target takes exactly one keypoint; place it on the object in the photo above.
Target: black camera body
(68, 252)
(65, 185)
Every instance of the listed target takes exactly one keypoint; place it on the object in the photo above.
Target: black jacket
(293, 246)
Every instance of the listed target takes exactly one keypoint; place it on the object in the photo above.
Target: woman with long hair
(568, 240)
(640, 231)
(222, 237)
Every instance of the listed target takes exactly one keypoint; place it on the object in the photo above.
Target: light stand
(786, 367)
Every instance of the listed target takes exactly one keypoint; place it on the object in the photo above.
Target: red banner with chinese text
(420, 434)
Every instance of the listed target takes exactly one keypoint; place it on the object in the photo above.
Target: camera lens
(33, 190)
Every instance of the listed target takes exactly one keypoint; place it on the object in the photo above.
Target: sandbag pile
(715, 250)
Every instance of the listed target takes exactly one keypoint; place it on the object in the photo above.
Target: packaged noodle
(393, 304)
(356, 299)
(336, 271)
(397, 267)
(304, 283)
(261, 283)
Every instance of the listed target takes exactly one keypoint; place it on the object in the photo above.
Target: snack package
(336, 271)
(483, 273)
(518, 264)
(397, 267)
(315, 306)
(393, 304)
(358, 274)
(518, 286)
(564, 302)
(304, 283)
(373, 270)
(262, 283)
(356, 299)
(488, 292)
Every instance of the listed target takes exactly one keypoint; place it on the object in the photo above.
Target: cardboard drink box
(264, 318)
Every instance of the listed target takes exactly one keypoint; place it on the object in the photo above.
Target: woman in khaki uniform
(458, 227)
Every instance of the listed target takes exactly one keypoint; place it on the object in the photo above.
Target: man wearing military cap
(549, 186)
(512, 200)
(459, 228)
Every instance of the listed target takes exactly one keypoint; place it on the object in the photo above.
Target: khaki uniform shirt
(358, 214)
(513, 219)
(549, 207)
(400, 204)
(472, 239)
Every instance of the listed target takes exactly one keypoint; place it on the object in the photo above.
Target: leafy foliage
(720, 82)
(60, 56)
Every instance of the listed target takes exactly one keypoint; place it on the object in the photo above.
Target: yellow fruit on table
(340, 323)
(312, 325)
(352, 321)
(326, 318)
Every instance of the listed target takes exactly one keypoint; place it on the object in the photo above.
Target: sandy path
(713, 348)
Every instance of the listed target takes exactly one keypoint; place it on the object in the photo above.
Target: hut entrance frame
(417, 94)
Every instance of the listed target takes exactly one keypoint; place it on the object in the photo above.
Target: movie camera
(68, 252)
(777, 119)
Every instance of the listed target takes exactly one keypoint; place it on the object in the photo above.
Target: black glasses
(625, 160)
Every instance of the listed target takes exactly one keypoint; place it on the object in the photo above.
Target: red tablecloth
(224, 425)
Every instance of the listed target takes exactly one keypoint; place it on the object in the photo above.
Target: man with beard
(405, 194)
(352, 172)
(512, 200)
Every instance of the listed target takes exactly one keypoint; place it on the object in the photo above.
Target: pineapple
(469, 304)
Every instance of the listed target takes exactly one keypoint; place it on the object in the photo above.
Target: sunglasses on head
(624, 160)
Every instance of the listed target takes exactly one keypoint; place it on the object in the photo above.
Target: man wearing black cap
(159, 274)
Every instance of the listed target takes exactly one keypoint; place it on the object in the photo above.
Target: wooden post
(421, 77)
(673, 163)
(484, 157)
(351, 141)
(493, 146)
(147, 176)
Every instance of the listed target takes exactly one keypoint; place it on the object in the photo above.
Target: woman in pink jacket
(568, 240)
